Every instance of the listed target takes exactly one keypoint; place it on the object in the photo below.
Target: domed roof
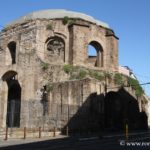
(57, 14)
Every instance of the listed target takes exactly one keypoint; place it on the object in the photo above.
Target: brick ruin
(38, 54)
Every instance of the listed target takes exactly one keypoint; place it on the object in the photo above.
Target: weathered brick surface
(39, 59)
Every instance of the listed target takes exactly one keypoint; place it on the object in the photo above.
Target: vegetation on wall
(96, 75)
(68, 68)
(118, 78)
(108, 75)
(49, 87)
(82, 74)
(77, 72)
(49, 27)
(67, 20)
(136, 86)
(71, 21)
(44, 65)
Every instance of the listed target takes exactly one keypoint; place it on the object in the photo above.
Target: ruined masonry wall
(37, 46)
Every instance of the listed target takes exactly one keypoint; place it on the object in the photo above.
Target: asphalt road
(75, 143)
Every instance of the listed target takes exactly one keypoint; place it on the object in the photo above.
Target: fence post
(54, 134)
(6, 134)
(67, 131)
(39, 132)
(127, 135)
(24, 136)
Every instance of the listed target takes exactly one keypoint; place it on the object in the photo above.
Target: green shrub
(68, 68)
(71, 21)
(139, 91)
(136, 86)
(118, 78)
(66, 20)
(96, 75)
(49, 27)
(82, 74)
(108, 75)
(132, 81)
(49, 87)
(44, 65)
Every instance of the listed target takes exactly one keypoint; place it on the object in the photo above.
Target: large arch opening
(95, 54)
(12, 50)
(13, 99)
(122, 108)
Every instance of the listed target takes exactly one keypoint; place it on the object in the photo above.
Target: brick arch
(8, 75)
(95, 60)
(55, 47)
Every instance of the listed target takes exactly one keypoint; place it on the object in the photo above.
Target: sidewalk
(123, 134)
(18, 141)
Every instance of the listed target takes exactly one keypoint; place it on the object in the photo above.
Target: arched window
(92, 51)
(55, 45)
(12, 50)
(95, 54)
(56, 48)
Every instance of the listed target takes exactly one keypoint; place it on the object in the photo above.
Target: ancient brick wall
(33, 53)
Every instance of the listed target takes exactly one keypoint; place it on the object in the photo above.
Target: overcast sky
(130, 19)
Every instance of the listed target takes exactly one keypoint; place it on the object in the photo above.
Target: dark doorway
(14, 103)
(13, 99)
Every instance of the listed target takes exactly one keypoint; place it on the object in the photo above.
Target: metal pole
(67, 128)
(54, 133)
(39, 132)
(24, 136)
(127, 132)
(6, 134)
(105, 85)
(67, 131)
